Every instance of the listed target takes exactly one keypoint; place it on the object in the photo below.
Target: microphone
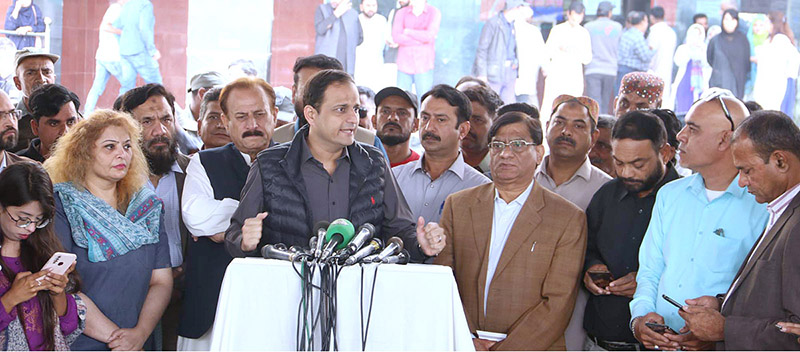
(400, 258)
(339, 234)
(370, 259)
(365, 233)
(273, 252)
(319, 232)
(373, 246)
(393, 246)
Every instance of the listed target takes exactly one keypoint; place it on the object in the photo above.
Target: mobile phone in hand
(601, 278)
(672, 301)
(59, 263)
(660, 328)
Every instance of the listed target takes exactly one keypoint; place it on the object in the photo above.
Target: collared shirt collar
(669, 175)
(306, 152)
(584, 172)
(176, 168)
(698, 186)
(5, 160)
(520, 200)
(457, 167)
(778, 204)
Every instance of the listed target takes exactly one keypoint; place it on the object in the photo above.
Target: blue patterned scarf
(105, 232)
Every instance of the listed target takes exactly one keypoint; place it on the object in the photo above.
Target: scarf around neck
(102, 230)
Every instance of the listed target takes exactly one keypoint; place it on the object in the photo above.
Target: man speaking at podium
(323, 174)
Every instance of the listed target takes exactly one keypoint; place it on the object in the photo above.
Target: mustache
(430, 135)
(10, 129)
(162, 139)
(253, 133)
(394, 124)
(631, 180)
(564, 139)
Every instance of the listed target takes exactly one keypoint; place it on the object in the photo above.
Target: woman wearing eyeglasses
(108, 217)
(41, 310)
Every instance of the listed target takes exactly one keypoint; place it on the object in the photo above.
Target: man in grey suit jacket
(338, 32)
(766, 151)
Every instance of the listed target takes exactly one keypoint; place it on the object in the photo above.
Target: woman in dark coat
(729, 56)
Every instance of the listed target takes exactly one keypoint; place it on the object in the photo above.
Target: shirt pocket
(720, 254)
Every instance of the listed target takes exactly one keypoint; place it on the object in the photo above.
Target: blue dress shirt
(694, 247)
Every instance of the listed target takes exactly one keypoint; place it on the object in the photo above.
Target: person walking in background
(693, 69)
(390, 52)
(569, 47)
(414, 30)
(496, 61)
(633, 53)
(137, 46)
(107, 59)
(602, 70)
(338, 32)
(778, 63)
(530, 46)
(729, 56)
(663, 40)
(23, 16)
(370, 69)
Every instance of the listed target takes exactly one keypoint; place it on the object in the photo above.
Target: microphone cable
(365, 333)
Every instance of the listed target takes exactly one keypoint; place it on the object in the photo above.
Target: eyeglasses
(517, 146)
(362, 113)
(25, 222)
(719, 93)
(10, 113)
(400, 113)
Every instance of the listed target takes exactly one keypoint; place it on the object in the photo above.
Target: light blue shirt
(505, 214)
(425, 197)
(694, 247)
(167, 190)
(137, 22)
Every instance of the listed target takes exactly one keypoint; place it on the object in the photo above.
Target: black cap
(391, 91)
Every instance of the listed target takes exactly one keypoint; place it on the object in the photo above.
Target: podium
(415, 307)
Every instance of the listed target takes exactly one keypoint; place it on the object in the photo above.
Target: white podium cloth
(416, 307)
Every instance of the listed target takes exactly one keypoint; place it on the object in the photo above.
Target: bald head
(706, 139)
(714, 112)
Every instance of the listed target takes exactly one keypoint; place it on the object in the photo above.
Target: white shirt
(530, 47)
(202, 214)
(580, 188)
(775, 208)
(3, 163)
(167, 190)
(505, 214)
(369, 54)
(108, 47)
(664, 40)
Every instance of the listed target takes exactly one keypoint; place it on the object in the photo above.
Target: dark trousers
(601, 88)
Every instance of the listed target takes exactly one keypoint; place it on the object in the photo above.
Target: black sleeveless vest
(286, 199)
(206, 260)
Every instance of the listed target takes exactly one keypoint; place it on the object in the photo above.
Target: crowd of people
(565, 227)
(756, 61)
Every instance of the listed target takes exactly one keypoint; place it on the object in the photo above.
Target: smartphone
(59, 263)
(601, 278)
(660, 328)
(672, 301)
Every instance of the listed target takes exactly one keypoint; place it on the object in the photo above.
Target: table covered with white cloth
(414, 307)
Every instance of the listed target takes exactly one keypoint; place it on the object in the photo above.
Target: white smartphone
(60, 262)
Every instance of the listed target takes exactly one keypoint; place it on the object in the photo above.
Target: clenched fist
(251, 232)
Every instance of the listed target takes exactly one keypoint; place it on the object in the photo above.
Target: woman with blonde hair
(108, 217)
(778, 64)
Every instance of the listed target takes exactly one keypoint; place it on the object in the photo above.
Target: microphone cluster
(332, 246)
(338, 243)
